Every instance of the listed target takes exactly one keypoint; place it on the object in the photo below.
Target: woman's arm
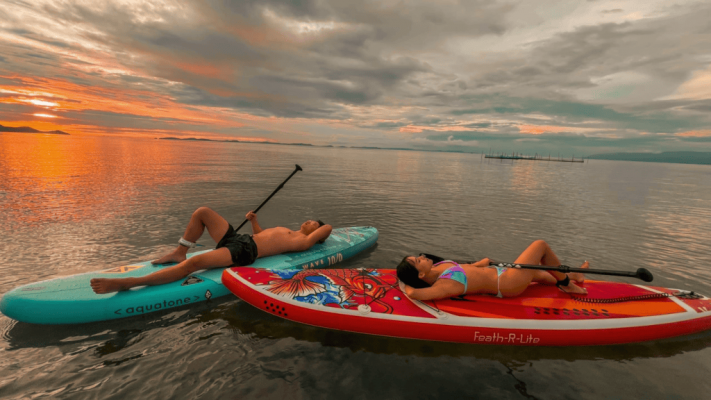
(484, 262)
(440, 290)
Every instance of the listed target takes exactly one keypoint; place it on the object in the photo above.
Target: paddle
(297, 169)
(641, 273)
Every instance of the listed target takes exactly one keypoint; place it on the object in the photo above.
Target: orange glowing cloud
(211, 77)
(701, 133)
(41, 103)
(541, 129)
(69, 96)
(59, 96)
(201, 69)
(142, 105)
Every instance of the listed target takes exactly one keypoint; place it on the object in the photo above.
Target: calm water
(76, 204)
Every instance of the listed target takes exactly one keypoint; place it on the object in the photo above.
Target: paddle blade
(645, 275)
(298, 168)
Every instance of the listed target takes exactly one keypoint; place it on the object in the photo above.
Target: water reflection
(110, 337)
(248, 319)
(78, 204)
(50, 178)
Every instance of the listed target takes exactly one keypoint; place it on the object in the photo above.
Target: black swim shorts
(241, 246)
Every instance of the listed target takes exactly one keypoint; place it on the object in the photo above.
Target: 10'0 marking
(334, 259)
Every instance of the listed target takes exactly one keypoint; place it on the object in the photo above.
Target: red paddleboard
(370, 301)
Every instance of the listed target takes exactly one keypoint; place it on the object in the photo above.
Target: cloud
(376, 71)
(698, 87)
(541, 129)
(695, 134)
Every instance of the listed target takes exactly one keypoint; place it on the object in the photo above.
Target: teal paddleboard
(70, 300)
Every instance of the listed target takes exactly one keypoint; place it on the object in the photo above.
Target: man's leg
(202, 218)
(213, 259)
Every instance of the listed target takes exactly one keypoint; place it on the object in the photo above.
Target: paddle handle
(641, 273)
(281, 185)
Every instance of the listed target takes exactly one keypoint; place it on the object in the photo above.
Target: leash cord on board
(682, 294)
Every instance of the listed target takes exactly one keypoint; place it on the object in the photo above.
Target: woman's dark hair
(408, 275)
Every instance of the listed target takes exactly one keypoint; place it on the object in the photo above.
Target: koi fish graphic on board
(345, 288)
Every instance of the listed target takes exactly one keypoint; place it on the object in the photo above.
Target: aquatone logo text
(156, 306)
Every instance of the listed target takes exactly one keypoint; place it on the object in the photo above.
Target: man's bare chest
(279, 233)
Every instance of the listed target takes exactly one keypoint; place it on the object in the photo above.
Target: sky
(568, 77)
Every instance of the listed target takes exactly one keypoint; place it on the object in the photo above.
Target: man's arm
(319, 235)
(252, 217)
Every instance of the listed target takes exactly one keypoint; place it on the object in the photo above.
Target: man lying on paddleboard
(425, 280)
(232, 248)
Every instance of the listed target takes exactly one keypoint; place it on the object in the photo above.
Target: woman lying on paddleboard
(425, 280)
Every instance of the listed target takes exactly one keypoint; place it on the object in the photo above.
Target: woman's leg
(213, 259)
(202, 218)
(544, 278)
(515, 281)
(579, 277)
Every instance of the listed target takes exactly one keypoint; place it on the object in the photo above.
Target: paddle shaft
(297, 169)
(641, 273)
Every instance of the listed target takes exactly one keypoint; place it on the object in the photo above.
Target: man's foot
(107, 285)
(579, 277)
(174, 256)
(572, 288)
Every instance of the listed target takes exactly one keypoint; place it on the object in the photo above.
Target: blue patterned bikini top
(455, 273)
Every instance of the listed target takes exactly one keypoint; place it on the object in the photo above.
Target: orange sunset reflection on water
(56, 178)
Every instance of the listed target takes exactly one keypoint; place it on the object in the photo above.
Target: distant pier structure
(537, 157)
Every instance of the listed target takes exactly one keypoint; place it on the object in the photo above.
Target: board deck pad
(70, 300)
(371, 301)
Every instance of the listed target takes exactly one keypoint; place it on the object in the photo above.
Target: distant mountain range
(679, 157)
(230, 140)
(199, 139)
(27, 129)
(314, 145)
